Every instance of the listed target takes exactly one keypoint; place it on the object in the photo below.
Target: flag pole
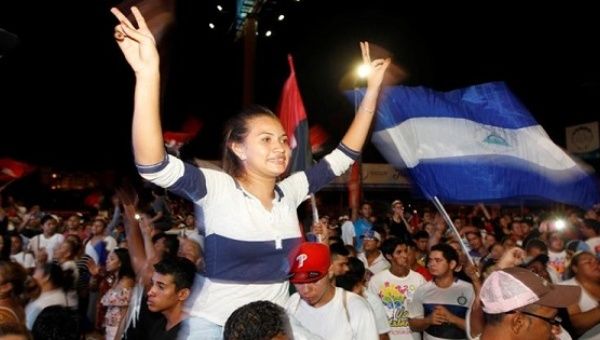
(7, 184)
(442, 211)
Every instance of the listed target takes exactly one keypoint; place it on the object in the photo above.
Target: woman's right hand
(138, 44)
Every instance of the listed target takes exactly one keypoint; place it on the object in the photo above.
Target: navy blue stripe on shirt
(247, 261)
(348, 152)
(446, 331)
(153, 168)
(191, 185)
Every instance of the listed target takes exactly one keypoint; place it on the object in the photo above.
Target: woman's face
(588, 268)
(497, 251)
(112, 263)
(266, 151)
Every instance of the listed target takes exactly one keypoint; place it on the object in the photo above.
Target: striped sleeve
(178, 177)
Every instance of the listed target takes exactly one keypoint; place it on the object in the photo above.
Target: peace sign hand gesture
(138, 44)
(378, 66)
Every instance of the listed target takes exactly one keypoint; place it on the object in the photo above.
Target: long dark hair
(126, 269)
(236, 131)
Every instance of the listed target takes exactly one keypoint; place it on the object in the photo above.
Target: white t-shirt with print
(381, 320)
(457, 299)
(396, 292)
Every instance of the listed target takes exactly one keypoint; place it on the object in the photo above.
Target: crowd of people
(231, 261)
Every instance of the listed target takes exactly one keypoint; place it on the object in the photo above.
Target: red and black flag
(293, 118)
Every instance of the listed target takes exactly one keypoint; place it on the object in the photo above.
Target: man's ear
(183, 294)
(519, 324)
(453, 265)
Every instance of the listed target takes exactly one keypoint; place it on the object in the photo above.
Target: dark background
(66, 91)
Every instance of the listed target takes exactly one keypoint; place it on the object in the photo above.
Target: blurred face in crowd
(422, 244)
(49, 227)
(73, 223)
(63, 251)
(159, 247)
(508, 243)
(489, 240)
(497, 251)
(556, 243)
(191, 251)
(370, 244)
(437, 264)
(401, 256)
(163, 294)
(366, 210)
(540, 269)
(190, 221)
(398, 209)
(339, 265)
(474, 241)
(427, 217)
(587, 268)
(16, 244)
(98, 227)
(113, 263)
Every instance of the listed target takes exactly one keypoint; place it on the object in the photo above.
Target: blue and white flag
(476, 144)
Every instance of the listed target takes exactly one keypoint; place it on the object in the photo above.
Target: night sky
(66, 87)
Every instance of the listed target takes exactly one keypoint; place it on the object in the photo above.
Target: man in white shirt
(396, 287)
(371, 256)
(45, 244)
(329, 312)
(439, 307)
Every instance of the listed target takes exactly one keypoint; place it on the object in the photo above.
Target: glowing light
(211, 25)
(560, 224)
(363, 70)
(281, 17)
(137, 217)
(268, 33)
(54, 175)
(219, 8)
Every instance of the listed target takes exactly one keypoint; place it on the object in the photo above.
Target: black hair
(447, 251)
(537, 243)
(62, 279)
(389, 246)
(236, 130)
(338, 249)
(56, 323)
(171, 243)
(182, 270)
(354, 275)
(46, 218)
(592, 224)
(259, 320)
(421, 234)
(126, 270)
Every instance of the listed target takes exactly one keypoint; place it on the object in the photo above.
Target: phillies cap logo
(301, 258)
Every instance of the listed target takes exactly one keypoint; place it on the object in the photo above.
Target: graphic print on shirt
(395, 298)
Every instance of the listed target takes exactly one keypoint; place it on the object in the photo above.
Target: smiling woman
(249, 215)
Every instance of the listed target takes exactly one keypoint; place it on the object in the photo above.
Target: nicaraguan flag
(476, 144)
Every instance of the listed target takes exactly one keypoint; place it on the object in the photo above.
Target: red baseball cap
(309, 262)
